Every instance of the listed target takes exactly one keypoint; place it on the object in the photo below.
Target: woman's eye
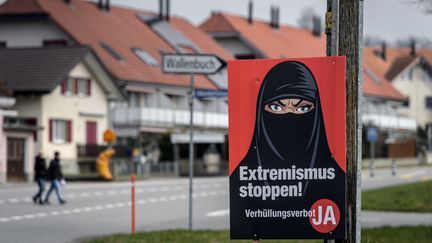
(303, 109)
(275, 107)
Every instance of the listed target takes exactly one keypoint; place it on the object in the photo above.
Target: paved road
(104, 208)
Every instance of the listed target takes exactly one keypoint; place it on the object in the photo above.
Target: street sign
(192, 63)
(205, 93)
(287, 147)
(372, 134)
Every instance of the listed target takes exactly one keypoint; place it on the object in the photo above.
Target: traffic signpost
(372, 137)
(205, 93)
(191, 64)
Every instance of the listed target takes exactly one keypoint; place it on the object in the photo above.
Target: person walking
(55, 175)
(40, 176)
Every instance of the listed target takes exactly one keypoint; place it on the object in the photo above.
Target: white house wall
(417, 90)
(18, 33)
(77, 109)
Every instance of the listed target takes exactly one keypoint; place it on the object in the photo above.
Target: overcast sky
(389, 19)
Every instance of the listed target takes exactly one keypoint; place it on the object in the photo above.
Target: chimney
(384, 50)
(250, 12)
(413, 47)
(277, 17)
(161, 9)
(273, 17)
(107, 5)
(167, 10)
(316, 26)
(100, 4)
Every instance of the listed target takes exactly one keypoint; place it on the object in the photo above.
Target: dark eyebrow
(280, 103)
(295, 105)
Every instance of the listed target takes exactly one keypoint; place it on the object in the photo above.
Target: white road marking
(118, 205)
(13, 200)
(41, 215)
(218, 213)
(29, 216)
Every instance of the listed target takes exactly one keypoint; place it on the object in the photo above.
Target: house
(129, 44)
(410, 72)
(16, 141)
(248, 38)
(65, 92)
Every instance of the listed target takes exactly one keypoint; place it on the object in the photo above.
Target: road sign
(205, 93)
(192, 63)
(372, 134)
(285, 119)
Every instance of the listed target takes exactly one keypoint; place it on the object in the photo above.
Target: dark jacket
(54, 170)
(40, 168)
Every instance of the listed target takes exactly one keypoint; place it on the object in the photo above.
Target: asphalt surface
(95, 209)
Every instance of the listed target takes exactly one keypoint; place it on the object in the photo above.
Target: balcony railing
(390, 122)
(162, 117)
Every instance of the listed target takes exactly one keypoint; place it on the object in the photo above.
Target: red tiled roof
(273, 43)
(199, 38)
(293, 42)
(122, 30)
(397, 59)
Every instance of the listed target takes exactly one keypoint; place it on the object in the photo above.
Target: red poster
(287, 148)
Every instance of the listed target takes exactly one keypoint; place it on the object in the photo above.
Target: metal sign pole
(372, 156)
(191, 149)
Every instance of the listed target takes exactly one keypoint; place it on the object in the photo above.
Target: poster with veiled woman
(287, 149)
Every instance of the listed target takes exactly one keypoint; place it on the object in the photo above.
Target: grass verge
(415, 197)
(419, 234)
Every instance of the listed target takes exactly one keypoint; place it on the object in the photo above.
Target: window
(187, 49)
(47, 43)
(76, 86)
(145, 57)
(111, 51)
(60, 131)
(134, 99)
(245, 56)
(83, 86)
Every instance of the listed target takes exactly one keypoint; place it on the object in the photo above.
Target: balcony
(390, 122)
(167, 118)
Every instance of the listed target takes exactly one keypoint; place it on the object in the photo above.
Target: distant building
(248, 38)
(129, 43)
(16, 141)
(63, 91)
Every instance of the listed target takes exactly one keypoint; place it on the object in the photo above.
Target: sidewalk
(373, 219)
(387, 162)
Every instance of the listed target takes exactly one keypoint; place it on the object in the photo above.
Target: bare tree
(373, 41)
(424, 5)
(419, 42)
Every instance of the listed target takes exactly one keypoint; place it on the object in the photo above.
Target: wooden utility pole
(349, 43)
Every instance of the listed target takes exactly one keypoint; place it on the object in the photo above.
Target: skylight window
(145, 57)
(111, 51)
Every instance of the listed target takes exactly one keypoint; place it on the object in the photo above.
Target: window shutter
(89, 87)
(76, 85)
(63, 86)
(69, 131)
(50, 130)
